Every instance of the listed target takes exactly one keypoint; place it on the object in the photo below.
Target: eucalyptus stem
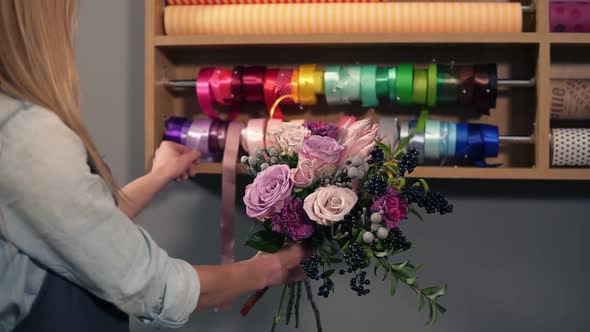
(289, 310)
(297, 300)
(277, 317)
(316, 311)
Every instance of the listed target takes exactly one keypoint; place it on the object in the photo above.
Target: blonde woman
(70, 257)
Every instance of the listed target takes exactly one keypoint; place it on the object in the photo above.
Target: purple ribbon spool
(177, 129)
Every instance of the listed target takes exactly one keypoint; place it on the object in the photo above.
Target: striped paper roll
(571, 146)
(344, 18)
(570, 99)
(253, 2)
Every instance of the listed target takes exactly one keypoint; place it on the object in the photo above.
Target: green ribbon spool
(392, 81)
(447, 85)
(369, 86)
(350, 84)
(432, 75)
(420, 86)
(382, 82)
(405, 83)
(331, 80)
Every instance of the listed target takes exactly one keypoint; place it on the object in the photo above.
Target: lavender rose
(269, 192)
(324, 151)
(293, 222)
(322, 129)
(329, 205)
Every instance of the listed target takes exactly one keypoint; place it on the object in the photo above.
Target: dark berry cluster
(352, 219)
(310, 266)
(358, 283)
(355, 258)
(396, 241)
(326, 288)
(377, 155)
(408, 162)
(436, 202)
(413, 194)
(376, 185)
(431, 201)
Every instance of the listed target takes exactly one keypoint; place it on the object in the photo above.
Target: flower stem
(289, 310)
(277, 317)
(297, 300)
(316, 311)
(252, 301)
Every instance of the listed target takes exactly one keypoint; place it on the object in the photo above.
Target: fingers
(296, 275)
(190, 158)
(175, 146)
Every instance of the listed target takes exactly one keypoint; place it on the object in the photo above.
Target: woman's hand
(284, 266)
(174, 161)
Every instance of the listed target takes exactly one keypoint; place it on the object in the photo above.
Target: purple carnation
(293, 221)
(393, 208)
(322, 129)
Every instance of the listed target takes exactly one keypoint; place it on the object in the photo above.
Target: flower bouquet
(342, 191)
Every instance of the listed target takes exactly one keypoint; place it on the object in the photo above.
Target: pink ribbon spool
(569, 16)
(253, 135)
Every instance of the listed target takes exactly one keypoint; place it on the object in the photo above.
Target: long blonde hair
(37, 63)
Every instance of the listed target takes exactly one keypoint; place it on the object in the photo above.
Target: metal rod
(185, 84)
(516, 139)
(530, 8)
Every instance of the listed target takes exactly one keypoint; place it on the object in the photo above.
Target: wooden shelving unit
(519, 56)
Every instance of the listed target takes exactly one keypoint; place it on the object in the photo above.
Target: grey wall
(513, 253)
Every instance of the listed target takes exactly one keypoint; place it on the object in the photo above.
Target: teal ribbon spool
(331, 80)
(392, 81)
(452, 140)
(382, 82)
(369, 86)
(350, 84)
(447, 84)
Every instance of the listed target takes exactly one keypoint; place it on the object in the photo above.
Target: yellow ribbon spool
(307, 92)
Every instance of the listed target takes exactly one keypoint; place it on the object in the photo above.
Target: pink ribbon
(253, 135)
(253, 84)
(216, 85)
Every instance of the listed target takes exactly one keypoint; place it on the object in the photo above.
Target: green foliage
(266, 241)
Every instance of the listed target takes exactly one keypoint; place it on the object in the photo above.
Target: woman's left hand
(175, 161)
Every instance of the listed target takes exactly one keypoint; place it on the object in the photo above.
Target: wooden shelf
(327, 39)
(434, 172)
(569, 38)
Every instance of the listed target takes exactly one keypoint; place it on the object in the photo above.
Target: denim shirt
(56, 215)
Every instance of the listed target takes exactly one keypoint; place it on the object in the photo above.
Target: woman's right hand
(285, 265)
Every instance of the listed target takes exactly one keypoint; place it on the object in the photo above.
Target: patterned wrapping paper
(569, 16)
(253, 2)
(570, 99)
(343, 18)
(571, 146)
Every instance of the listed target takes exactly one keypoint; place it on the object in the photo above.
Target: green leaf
(433, 314)
(441, 309)
(434, 292)
(410, 281)
(359, 238)
(424, 184)
(380, 254)
(298, 190)
(416, 213)
(385, 275)
(368, 252)
(399, 266)
(328, 273)
(411, 269)
(386, 149)
(401, 146)
(327, 248)
(340, 236)
(333, 260)
(266, 241)
(377, 265)
(421, 302)
(394, 282)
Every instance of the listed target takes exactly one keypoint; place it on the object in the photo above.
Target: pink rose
(357, 138)
(289, 138)
(329, 205)
(303, 175)
(269, 192)
(321, 148)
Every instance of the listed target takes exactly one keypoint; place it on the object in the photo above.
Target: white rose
(289, 138)
(329, 205)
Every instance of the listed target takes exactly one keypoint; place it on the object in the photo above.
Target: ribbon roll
(198, 136)
(570, 99)
(382, 83)
(389, 131)
(405, 84)
(349, 18)
(349, 84)
(477, 142)
(307, 84)
(418, 141)
(466, 87)
(215, 85)
(447, 84)
(452, 139)
(253, 136)
(278, 83)
(570, 16)
(485, 87)
(369, 86)
(331, 79)
(176, 129)
(570, 147)
(432, 84)
(420, 86)
(253, 84)
(392, 77)
(433, 138)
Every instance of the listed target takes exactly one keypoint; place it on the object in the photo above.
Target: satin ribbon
(382, 83)
(420, 86)
(275, 82)
(477, 142)
(176, 129)
(215, 85)
(368, 89)
(405, 84)
(485, 87)
(432, 84)
(447, 84)
(307, 84)
(331, 79)
(418, 141)
(253, 136)
(392, 78)
(253, 84)
(466, 86)
(432, 140)
(452, 139)
(349, 84)
(198, 136)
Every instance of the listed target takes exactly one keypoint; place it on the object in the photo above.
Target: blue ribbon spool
(477, 142)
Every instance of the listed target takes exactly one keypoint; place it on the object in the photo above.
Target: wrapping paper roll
(569, 16)
(344, 18)
(571, 146)
(570, 99)
(253, 2)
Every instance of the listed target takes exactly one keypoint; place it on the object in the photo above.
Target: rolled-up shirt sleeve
(71, 224)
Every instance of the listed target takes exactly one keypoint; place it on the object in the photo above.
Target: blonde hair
(37, 64)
